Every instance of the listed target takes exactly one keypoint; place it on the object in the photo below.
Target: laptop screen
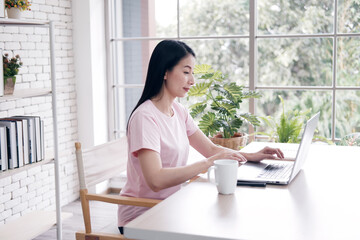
(305, 144)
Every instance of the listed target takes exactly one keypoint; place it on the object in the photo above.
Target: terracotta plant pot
(9, 86)
(235, 143)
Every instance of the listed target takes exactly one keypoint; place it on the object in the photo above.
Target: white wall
(80, 73)
(34, 189)
(90, 70)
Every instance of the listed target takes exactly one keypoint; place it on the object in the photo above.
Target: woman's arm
(207, 148)
(265, 153)
(159, 178)
(203, 144)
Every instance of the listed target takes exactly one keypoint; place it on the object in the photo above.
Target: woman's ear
(165, 76)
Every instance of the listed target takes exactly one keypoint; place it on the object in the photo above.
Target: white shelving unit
(26, 93)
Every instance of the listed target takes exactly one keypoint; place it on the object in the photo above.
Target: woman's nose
(192, 80)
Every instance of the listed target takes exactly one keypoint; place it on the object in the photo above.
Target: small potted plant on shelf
(15, 7)
(218, 107)
(11, 69)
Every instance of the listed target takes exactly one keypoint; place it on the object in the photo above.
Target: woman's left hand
(265, 153)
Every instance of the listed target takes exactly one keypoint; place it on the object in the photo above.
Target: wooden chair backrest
(96, 165)
(101, 162)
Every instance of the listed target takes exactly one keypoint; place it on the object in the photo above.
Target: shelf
(26, 93)
(22, 22)
(10, 172)
(32, 225)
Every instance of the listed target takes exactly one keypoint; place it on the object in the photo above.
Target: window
(305, 51)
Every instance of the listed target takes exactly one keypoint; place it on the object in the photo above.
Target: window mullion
(178, 18)
(111, 108)
(333, 117)
(253, 56)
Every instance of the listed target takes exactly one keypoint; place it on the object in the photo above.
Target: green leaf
(197, 110)
(290, 125)
(236, 123)
(219, 98)
(203, 69)
(209, 125)
(226, 128)
(233, 92)
(218, 76)
(224, 107)
(253, 120)
(212, 76)
(197, 104)
(224, 98)
(270, 121)
(251, 94)
(200, 89)
(207, 76)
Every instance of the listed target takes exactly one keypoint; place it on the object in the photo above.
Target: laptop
(280, 171)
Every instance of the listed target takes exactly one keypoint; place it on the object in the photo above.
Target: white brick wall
(34, 189)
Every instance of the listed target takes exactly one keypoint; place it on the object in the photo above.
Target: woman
(160, 131)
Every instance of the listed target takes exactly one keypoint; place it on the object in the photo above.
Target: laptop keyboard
(276, 171)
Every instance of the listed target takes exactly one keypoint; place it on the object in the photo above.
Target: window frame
(114, 123)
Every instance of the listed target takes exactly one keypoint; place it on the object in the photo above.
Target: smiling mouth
(186, 89)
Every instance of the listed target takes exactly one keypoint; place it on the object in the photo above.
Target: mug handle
(208, 174)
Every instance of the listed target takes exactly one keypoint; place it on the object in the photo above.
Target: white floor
(103, 218)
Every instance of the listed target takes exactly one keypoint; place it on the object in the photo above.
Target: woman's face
(178, 81)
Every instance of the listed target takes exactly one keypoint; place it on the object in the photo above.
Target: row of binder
(21, 141)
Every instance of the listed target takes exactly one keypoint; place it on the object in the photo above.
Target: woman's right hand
(227, 154)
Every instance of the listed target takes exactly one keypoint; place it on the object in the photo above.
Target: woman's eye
(186, 72)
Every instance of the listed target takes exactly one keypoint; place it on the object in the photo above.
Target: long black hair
(165, 56)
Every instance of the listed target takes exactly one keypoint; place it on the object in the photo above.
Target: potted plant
(287, 129)
(15, 7)
(11, 69)
(218, 107)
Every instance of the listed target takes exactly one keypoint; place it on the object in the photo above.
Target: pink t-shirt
(151, 129)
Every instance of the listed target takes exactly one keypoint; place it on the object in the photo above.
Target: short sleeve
(191, 126)
(143, 133)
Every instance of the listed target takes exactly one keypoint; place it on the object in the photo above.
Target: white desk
(323, 202)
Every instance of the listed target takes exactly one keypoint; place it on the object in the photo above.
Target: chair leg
(99, 236)
(85, 210)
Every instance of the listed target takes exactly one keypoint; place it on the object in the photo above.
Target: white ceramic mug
(225, 175)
